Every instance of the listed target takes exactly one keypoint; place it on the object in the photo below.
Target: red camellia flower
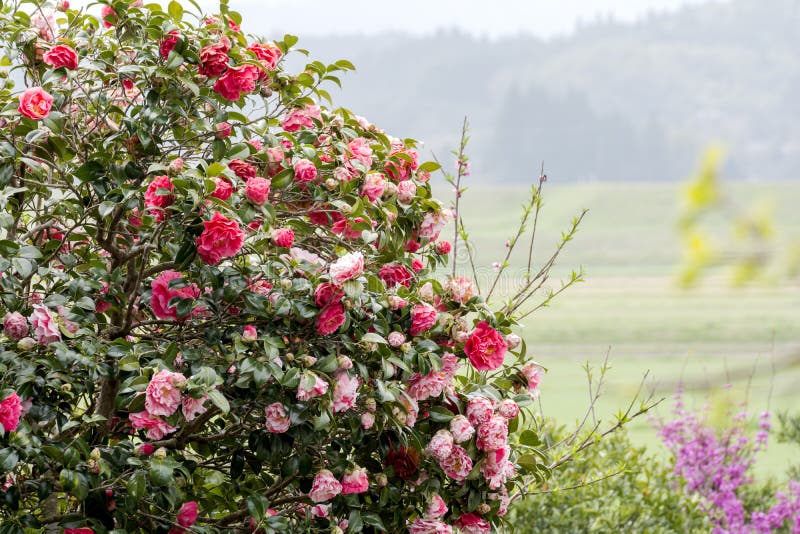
(35, 103)
(330, 319)
(162, 294)
(224, 189)
(109, 16)
(186, 517)
(394, 274)
(327, 293)
(257, 190)
(485, 347)
(404, 461)
(237, 81)
(168, 43)
(473, 524)
(158, 196)
(61, 56)
(242, 169)
(221, 238)
(80, 530)
(304, 171)
(268, 55)
(214, 58)
(10, 412)
(283, 237)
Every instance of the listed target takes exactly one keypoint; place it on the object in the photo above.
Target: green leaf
(137, 485)
(175, 10)
(8, 460)
(219, 400)
(372, 337)
(160, 472)
(257, 506)
(529, 438)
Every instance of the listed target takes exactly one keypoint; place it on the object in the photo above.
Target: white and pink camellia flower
(493, 434)
(278, 420)
(473, 524)
(349, 266)
(479, 410)
(325, 487)
(508, 409)
(355, 481)
(461, 429)
(457, 464)
(436, 507)
(533, 374)
(432, 224)
(311, 385)
(45, 325)
(441, 445)
(461, 289)
(429, 526)
(163, 393)
(345, 391)
(192, 407)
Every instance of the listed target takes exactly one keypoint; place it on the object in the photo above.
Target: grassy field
(727, 345)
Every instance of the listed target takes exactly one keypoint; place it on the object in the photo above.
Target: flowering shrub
(715, 465)
(221, 308)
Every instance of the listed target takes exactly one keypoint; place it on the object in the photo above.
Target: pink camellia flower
(359, 150)
(320, 510)
(436, 507)
(513, 341)
(355, 481)
(10, 412)
(461, 429)
(79, 530)
(15, 326)
(406, 191)
(311, 385)
(304, 171)
(412, 245)
(423, 317)
(533, 374)
(45, 325)
(223, 189)
(298, 119)
(221, 238)
(441, 445)
(145, 449)
(61, 56)
(396, 339)
(222, 129)
(162, 293)
(192, 407)
(429, 526)
(108, 16)
(485, 347)
(242, 169)
(367, 420)
(432, 224)
(508, 409)
(479, 410)
(283, 237)
(473, 524)
(431, 385)
(374, 185)
(330, 319)
(214, 58)
(237, 81)
(461, 289)
(450, 365)
(163, 393)
(345, 391)
(249, 334)
(278, 421)
(349, 266)
(396, 303)
(417, 265)
(35, 103)
(156, 427)
(457, 464)
(257, 190)
(158, 196)
(493, 434)
(443, 248)
(168, 43)
(325, 487)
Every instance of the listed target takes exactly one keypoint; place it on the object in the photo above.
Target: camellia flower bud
(381, 480)
(95, 454)
(331, 184)
(289, 357)
(26, 343)
(160, 453)
(286, 284)
(483, 508)
(308, 360)
(370, 404)
(513, 341)
(426, 292)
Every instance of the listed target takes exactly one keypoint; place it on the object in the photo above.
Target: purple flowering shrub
(716, 464)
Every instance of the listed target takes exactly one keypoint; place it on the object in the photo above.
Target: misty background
(626, 91)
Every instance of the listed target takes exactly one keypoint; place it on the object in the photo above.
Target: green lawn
(720, 341)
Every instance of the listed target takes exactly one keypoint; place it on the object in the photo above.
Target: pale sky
(543, 18)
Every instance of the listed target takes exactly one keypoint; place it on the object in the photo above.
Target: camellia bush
(220, 298)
